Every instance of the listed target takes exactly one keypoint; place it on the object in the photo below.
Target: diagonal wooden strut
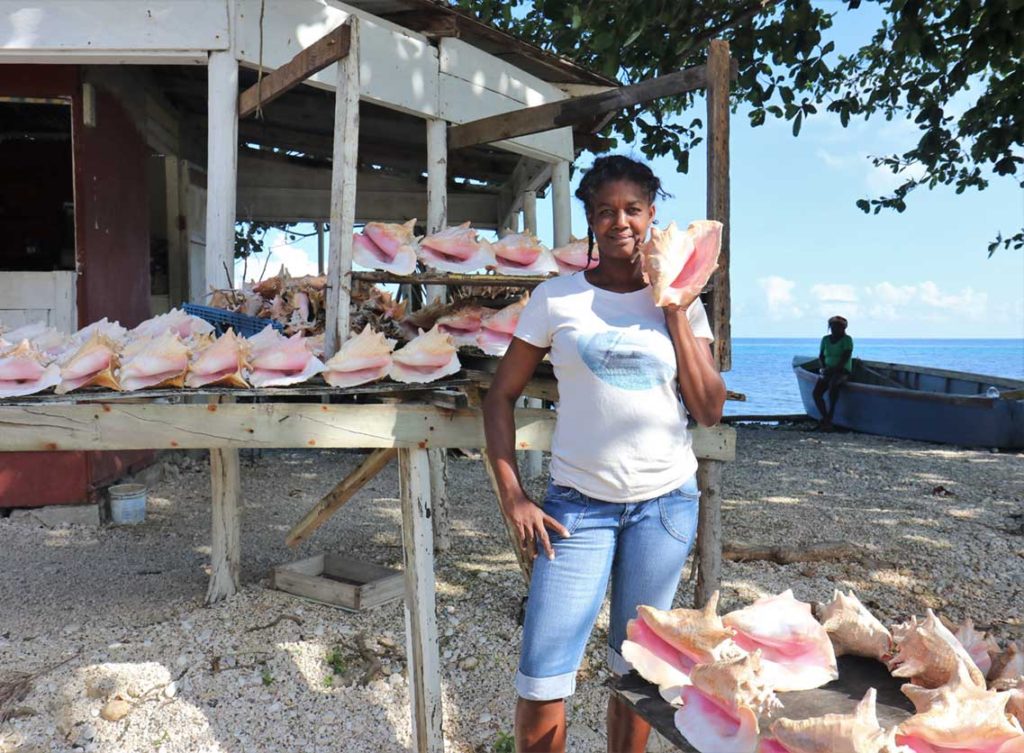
(569, 112)
(331, 48)
(331, 502)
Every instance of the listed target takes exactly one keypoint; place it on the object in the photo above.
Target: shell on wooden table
(858, 732)
(928, 654)
(853, 629)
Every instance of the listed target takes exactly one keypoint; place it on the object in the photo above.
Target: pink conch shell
(113, 331)
(430, 356)
(361, 359)
(222, 362)
(979, 646)
(960, 717)
(858, 732)
(160, 362)
(496, 329)
(278, 361)
(656, 660)
(54, 344)
(455, 249)
(522, 254)
(423, 318)
(721, 707)
(572, 257)
(176, 321)
(25, 332)
(386, 246)
(928, 654)
(92, 365)
(1008, 665)
(463, 323)
(22, 371)
(853, 629)
(679, 264)
(797, 652)
(698, 633)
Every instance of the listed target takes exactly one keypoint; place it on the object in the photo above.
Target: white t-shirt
(620, 435)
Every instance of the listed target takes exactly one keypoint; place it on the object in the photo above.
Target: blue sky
(801, 250)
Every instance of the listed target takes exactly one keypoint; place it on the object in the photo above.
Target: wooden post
(561, 203)
(437, 189)
(718, 193)
(533, 459)
(343, 195)
(221, 168)
(319, 247)
(177, 240)
(437, 217)
(420, 617)
(226, 530)
(709, 530)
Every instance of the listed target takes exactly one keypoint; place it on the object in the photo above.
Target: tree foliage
(926, 58)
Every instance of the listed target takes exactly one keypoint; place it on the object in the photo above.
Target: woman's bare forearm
(500, 435)
(700, 384)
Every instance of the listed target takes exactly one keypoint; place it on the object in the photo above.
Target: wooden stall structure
(392, 90)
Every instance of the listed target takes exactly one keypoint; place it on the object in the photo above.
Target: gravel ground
(934, 527)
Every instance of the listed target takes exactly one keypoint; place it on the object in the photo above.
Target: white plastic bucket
(127, 504)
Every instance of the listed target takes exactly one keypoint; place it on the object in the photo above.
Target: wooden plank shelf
(316, 388)
(436, 278)
(840, 696)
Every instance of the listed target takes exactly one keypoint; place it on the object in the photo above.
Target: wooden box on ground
(339, 581)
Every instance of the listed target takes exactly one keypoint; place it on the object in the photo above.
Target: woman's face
(619, 218)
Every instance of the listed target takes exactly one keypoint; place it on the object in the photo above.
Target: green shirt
(834, 351)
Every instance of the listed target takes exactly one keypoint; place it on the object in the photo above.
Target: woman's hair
(612, 168)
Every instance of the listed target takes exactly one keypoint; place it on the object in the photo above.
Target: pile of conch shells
(723, 672)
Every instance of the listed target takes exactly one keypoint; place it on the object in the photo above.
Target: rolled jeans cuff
(545, 688)
(617, 664)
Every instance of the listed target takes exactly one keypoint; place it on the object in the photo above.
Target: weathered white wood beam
(561, 203)
(221, 169)
(117, 426)
(437, 188)
(533, 460)
(113, 31)
(420, 612)
(343, 194)
(226, 528)
(709, 530)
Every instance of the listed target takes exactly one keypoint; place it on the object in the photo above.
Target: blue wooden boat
(917, 402)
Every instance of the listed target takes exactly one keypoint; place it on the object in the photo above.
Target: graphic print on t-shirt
(624, 358)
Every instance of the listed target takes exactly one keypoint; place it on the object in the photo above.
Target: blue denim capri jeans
(642, 546)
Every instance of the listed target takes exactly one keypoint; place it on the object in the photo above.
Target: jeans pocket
(679, 515)
(566, 505)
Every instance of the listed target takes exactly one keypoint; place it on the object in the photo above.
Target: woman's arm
(514, 371)
(700, 384)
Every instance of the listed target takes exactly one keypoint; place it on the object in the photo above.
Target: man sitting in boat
(836, 358)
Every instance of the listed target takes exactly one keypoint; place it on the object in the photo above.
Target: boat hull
(970, 420)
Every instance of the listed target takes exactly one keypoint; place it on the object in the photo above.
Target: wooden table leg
(420, 616)
(709, 530)
(225, 540)
(439, 499)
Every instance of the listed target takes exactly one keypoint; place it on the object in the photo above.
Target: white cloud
(834, 293)
(881, 180)
(778, 293)
(296, 260)
(835, 161)
(891, 295)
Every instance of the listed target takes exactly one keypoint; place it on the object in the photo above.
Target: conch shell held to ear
(853, 629)
(679, 264)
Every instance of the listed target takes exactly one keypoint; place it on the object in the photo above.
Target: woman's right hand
(531, 523)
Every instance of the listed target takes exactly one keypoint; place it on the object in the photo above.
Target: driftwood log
(785, 555)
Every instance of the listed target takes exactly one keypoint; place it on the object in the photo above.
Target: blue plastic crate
(242, 324)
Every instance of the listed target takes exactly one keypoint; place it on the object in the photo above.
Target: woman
(622, 502)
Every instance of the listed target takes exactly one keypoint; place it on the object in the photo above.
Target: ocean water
(762, 368)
